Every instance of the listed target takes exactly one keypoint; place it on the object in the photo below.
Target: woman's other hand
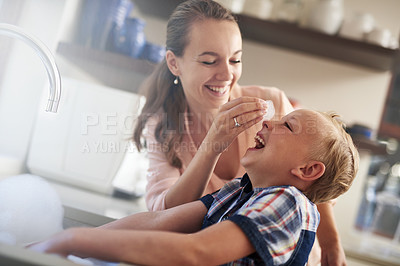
(328, 237)
(333, 256)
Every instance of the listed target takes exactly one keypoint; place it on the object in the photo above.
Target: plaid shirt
(279, 221)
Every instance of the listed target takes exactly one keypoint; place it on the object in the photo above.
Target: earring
(176, 81)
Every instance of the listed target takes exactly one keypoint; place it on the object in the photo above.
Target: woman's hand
(328, 236)
(232, 119)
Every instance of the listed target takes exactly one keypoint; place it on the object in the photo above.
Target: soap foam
(30, 210)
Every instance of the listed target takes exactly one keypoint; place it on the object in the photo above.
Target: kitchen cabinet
(296, 38)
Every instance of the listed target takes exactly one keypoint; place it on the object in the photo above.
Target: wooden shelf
(104, 57)
(316, 43)
(111, 69)
(296, 38)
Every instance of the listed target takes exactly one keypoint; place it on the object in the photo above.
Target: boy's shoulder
(286, 193)
(282, 193)
(284, 199)
(273, 218)
(283, 217)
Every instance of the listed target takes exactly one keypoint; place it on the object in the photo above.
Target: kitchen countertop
(372, 249)
(96, 203)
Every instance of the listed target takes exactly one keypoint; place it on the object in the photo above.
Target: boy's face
(282, 146)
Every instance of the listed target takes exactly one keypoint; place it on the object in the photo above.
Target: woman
(184, 94)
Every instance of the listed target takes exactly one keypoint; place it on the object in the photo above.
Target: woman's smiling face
(211, 63)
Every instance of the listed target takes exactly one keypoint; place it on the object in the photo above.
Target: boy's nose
(268, 124)
(271, 123)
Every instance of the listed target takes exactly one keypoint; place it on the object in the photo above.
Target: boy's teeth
(259, 142)
(217, 89)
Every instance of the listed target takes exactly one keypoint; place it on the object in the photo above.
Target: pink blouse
(161, 175)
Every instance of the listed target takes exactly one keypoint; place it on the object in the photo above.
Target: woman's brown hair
(163, 97)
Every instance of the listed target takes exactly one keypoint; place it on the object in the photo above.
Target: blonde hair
(337, 151)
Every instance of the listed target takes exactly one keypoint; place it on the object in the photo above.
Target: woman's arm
(162, 176)
(328, 237)
(192, 183)
(166, 187)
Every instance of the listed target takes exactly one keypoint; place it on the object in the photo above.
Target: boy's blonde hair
(336, 150)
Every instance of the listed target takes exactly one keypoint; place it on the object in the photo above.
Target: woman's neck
(201, 120)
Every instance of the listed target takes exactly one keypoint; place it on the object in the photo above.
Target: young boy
(265, 217)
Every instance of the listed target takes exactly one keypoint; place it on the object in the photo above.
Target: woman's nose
(225, 72)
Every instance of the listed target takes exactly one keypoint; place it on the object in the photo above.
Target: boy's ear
(310, 171)
(172, 62)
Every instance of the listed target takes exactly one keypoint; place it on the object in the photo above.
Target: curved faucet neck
(46, 57)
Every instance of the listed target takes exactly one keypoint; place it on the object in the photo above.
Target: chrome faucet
(47, 59)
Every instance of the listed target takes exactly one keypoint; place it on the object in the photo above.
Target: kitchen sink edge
(73, 217)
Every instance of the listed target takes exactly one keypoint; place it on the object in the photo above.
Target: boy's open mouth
(259, 142)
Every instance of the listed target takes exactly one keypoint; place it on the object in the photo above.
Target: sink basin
(81, 208)
(19, 256)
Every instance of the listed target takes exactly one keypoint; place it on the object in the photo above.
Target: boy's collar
(246, 183)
